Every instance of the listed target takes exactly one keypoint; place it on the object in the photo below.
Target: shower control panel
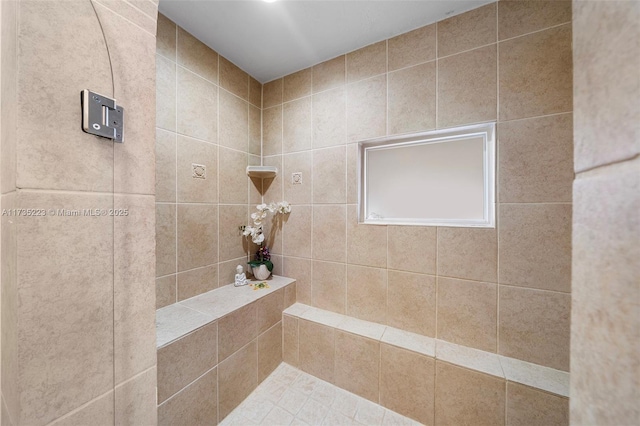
(101, 116)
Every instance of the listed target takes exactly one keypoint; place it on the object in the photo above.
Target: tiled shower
(552, 285)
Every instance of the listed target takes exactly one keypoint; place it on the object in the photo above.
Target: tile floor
(292, 397)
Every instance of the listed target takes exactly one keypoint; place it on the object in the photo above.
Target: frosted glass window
(445, 177)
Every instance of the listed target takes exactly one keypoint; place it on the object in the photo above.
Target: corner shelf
(262, 172)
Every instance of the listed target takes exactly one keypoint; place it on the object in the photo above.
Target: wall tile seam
(76, 192)
(134, 376)
(188, 270)
(107, 8)
(6, 408)
(196, 139)
(154, 17)
(494, 43)
(417, 64)
(544, 290)
(569, 22)
(216, 84)
(594, 170)
(188, 385)
(533, 117)
(82, 407)
(536, 203)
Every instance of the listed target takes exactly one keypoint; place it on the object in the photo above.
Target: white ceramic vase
(261, 272)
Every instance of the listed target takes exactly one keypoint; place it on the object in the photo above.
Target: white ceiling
(271, 40)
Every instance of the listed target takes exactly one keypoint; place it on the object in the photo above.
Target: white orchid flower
(258, 239)
(261, 207)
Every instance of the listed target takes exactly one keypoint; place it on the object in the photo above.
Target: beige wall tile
(197, 235)
(329, 124)
(166, 239)
(132, 60)
(290, 340)
(233, 176)
(412, 48)
(605, 293)
(467, 313)
(289, 293)
(234, 79)
(269, 351)
(317, 349)
(255, 130)
(272, 189)
(535, 159)
(352, 173)
(467, 87)
(367, 108)
(166, 80)
(300, 269)
(165, 291)
(165, 166)
(366, 244)
(536, 74)
(135, 400)
(234, 122)
(8, 115)
(272, 131)
(74, 326)
(272, 93)
(133, 14)
(535, 246)
(255, 92)
(186, 359)
(329, 288)
(468, 397)
(357, 363)
(407, 383)
(531, 407)
(236, 330)
(227, 270)
(197, 281)
(231, 242)
(297, 85)
(197, 57)
(367, 62)
(79, 62)
(330, 232)
(329, 74)
(190, 188)
(534, 326)
(255, 184)
(606, 52)
(367, 293)
(269, 310)
(195, 405)
(521, 17)
(412, 248)
(99, 410)
(468, 253)
(300, 162)
(411, 303)
(166, 37)
(467, 31)
(134, 289)
(296, 125)
(296, 232)
(197, 105)
(412, 99)
(329, 171)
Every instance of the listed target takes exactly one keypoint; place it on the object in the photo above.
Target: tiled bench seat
(429, 380)
(214, 349)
